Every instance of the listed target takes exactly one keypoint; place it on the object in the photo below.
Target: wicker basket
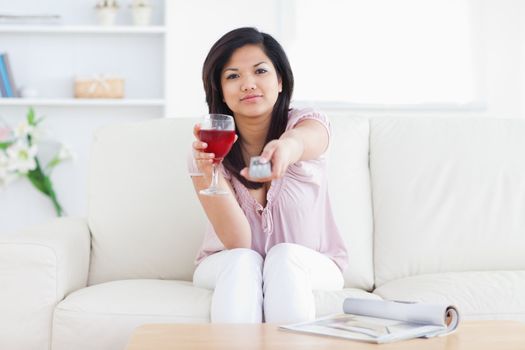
(99, 87)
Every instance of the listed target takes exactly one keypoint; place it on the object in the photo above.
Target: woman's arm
(223, 212)
(311, 138)
(307, 140)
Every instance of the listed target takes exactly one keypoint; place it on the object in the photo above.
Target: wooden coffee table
(470, 335)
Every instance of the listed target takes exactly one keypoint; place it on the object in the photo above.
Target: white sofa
(431, 209)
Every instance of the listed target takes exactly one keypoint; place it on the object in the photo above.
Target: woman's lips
(250, 98)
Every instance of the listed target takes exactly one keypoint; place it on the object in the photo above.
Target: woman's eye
(232, 76)
(261, 71)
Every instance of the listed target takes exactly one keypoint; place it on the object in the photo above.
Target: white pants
(282, 285)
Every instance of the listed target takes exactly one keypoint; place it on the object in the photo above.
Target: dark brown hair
(219, 55)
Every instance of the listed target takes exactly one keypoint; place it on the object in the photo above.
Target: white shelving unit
(47, 58)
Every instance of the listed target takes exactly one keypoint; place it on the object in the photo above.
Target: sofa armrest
(39, 266)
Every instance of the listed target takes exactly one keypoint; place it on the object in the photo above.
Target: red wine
(219, 142)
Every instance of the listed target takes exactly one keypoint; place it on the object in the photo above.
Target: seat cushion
(103, 316)
(478, 295)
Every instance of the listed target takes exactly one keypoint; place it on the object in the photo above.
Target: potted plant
(141, 11)
(107, 12)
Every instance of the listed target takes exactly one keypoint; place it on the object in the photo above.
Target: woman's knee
(228, 263)
(283, 252)
(242, 261)
(244, 257)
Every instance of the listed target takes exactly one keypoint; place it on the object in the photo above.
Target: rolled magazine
(384, 321)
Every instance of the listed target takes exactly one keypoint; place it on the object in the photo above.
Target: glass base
(213, 192)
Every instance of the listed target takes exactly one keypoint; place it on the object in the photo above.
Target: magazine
(383, 321)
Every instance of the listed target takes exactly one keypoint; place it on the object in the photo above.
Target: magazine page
(367, 329)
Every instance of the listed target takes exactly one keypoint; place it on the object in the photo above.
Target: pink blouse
(297, 211)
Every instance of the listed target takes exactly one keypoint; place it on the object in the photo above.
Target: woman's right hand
(224, 212)
(203, 160)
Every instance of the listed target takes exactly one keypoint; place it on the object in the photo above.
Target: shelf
(77, 29)
(74, 102)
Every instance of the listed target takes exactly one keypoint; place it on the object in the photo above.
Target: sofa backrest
(143, 214)
(448, 195)
(146, 221)
(350, 195)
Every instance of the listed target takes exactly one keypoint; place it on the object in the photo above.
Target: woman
(273, 240)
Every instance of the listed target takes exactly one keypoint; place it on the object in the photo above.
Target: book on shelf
(3, 93)
(4, 78)
(7, 83)
(383, 321)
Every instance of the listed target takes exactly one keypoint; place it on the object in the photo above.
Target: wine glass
(218, 131)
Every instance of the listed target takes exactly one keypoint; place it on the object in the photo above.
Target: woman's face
(250, 84)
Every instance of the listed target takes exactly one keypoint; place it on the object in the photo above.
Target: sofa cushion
(478, 295)
(103, 316)
(143, 214)
(448, 195)
(350, 195)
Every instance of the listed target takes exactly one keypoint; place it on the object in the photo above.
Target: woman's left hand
(281, 153)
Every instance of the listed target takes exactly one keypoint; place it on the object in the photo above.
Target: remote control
(259, 170)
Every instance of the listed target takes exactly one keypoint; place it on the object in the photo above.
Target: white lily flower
(65, 153)
(23, 129)
(6, 177)
(30, 149)
(38, 134)
(21, 157)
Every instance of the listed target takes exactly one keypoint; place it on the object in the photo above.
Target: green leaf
(43, 184)
(31, 116)
(52, 196)
(37, 178)
(53, 163)
(5, 145)
(39, 120)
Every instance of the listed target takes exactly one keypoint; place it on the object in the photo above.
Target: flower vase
(106, 16)
(141, 15)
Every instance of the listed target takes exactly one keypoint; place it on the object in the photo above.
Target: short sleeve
(310, 171)
(298, 115)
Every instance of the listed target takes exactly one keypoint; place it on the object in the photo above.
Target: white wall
(193, 26)
(498, 38)
(502, 25)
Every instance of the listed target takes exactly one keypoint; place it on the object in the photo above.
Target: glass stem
(214, 176)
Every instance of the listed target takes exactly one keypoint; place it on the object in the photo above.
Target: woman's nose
(248, 84)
